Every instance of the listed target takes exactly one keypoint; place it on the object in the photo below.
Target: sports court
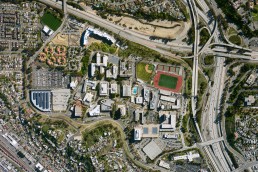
(168, 81)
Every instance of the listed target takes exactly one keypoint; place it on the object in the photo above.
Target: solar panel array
(41, 100)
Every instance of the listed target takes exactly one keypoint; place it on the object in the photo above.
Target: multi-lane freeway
(216, 153)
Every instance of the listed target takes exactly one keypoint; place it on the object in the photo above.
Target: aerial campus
(139, 85)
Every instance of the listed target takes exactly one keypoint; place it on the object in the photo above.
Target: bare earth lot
(164, 29)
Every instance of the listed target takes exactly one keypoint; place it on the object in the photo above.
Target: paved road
(123, 32)
(246, 166)
(32, 59)
(11, 153)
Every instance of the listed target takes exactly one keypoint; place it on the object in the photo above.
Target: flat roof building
(88, 98)
(146, 94)
(94, 111)
(103, 88)
(127, 90)
(92, 69)
(251, 79)
(77, 111)
(168, 99)
(41, 100)
(152, 150)
(190, 156)
(113, 88)
(249, 100)
(112, 72)
(122, 109)
(137, 133)
(168, 120)
(47, 30)
(139, 100)
(39, 167)
(164, 164)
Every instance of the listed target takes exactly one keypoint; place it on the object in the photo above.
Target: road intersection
(216, 152)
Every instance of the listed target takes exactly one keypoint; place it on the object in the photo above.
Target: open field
(163, 29)
(61, 40)
(51, 21)
(141, 72)
(167, 81)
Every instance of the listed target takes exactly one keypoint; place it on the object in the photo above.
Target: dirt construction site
(162, 29)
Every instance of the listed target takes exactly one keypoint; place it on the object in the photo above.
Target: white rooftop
(95, 111)
(103, 89)
(152, 150)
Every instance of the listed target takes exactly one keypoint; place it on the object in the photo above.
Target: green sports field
(51, 21)
(167, 81)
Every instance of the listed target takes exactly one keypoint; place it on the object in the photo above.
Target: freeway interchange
(215, 150)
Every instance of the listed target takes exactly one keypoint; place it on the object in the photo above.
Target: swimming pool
(135, 89)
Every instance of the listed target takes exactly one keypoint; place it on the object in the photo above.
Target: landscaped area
(230, 127)
(235, 39)
(204, 36)
(231, 31)
(51, 21)
(53, 56)
(168, 81)
(144, 71)
(255, 13)
(208, 60)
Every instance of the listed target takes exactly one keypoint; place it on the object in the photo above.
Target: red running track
(178, 85)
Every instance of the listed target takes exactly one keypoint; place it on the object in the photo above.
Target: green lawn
(235, 39)
(142, 74)
(255, 13)
(209, 60)
(230, 129)
(231, 31)
(51, 21)
(167, 81)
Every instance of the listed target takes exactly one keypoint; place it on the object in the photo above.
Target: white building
(251, 79)
(137, 133)
(47, 30)
(90, 31)
(122, 109)
(127, 92)
(39, 167)
(92, 69)
(168, 99)
(190, 156)
(249, 100)
(101, 62)
(168, 120)
(152, 150)
(11, 140)
(91, 84)
(139, 100)
(88, 98)
(113, 72)
(103, 88)
(73, 83)
(95, 111)
(113, 88)
(164, 164)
